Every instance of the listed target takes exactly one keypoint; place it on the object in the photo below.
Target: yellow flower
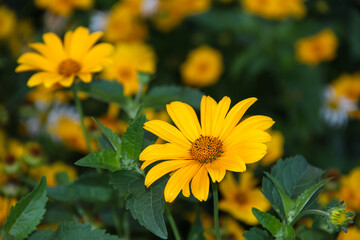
(151, 114)
(202, 68)
(348, 85)
(195, 151)
(315, 49)
(64, 8)
(349, 191)
(60, 63)
(352, 234)
(110, 120)
(230, 229)
(128, 60)
(275, 148)
(124, 23)
(241, 197)
(275, 9)
(7, 22)
(5, 206)
(50, 171)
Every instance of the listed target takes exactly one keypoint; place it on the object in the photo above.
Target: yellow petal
(163, 168)
(221, 110)
(228, 186)
(178, 180)
(167, 132)
(252, 152)
(185, 119)
(36, 79)
(216, 171)
(97, 55)
(37, 61)
(256, 122)
(67, 42)
(234, 116)
(247, 136)
(78, 46)
(186, 190)
(200, 184)
(67, 81)
(207, 111)
(164, 152)
(85, 77)
(24, 68)
(54, 45)
(235, 163)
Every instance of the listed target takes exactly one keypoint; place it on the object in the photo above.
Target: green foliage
(27, 213)
(73, 230)
(144, 78)
(145, 204)
(89, 187)
(268, 221)
(197, 230)
(105, 159)
(305, 233)
(257, 234)
(132, 141)
(159, 96)
(112, 137)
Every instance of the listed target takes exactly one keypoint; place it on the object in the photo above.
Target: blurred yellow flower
(64, 7)
(124, 23)
(61, 62)
(348, 85)
(170, 13)
(349, 190)
(275, 9)
(128, 60)
(195, 151)
(8, 22)
(111, 120)
(318, 48)
(5, 206)
(202, 68)
(230, 229)
(151, 114)
(275, 148)
(240, 197)
(352, 234)
(50, 172)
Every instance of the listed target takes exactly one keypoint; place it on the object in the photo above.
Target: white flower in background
(98, 21)
(336, 108)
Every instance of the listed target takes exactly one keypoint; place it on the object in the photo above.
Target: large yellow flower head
(318, 48)
(64, 8)
(202, 68)
(128, 60)
(59, 62)
(193, 151)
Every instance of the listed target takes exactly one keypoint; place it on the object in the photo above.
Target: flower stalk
(172, 223)
(216, 210)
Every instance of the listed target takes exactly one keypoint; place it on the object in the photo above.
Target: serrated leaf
(113, 138)
(159, 96)
(81, 231)
(47, 234)
(6, 236)
(88, 187)
(257, 234)
(268, 221)
(105, 159)
(145, 204)
(132, 142)
(287, 203)
(306, 196)
(103, 90)
(27, 213)
(295, 175)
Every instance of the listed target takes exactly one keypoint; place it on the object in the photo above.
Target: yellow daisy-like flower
(59, 62)
(193, 151)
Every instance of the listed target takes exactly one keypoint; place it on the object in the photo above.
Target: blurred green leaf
(145, 204)
(89, 187)
(132, 141)
(27, 213)
(105, 159)
(305, 233)
(159, 96)
(47, 234)
(257, 234)
(197, 230)
(113, 138)
(144, 77)
(268, 221)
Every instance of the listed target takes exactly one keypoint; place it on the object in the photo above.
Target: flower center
(69, 67)
(206, 149)
(241, 198)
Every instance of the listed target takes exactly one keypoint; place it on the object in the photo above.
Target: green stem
(126, 225)
(308, 212)
(216, 209)
(81, 114)
(138, 94)
(172, 223)
(116, 221)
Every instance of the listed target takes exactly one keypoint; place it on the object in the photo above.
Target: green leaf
(113, 138)
(295, 175)
(103, 90)
(287, 203)
(268, 221)
(132, 141)
(145, 204)
(81, 231)
(6, 236)
(159, 96)
(105, 159)
(47, 234)
(257, 234)
(306, 196)
(305, 233)
(89, 187)
(27, 213)
(197, 230)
